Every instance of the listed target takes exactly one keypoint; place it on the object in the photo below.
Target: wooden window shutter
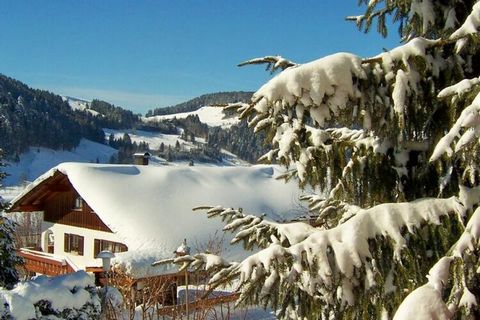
(66, 244)
(96, 247)
(80, 245)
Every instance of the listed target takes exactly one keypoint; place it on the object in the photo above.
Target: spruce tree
(8, 257)
(389, 144)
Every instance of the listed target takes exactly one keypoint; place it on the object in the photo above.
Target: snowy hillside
(38, 160)
(79, 104)
(212, 116)
(155, 139)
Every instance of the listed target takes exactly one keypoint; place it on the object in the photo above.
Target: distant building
(141, 158)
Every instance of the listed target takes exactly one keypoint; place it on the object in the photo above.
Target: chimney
(141, 158)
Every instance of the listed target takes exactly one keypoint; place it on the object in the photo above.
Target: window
(78, 203)
(73, 244)
(100, 245)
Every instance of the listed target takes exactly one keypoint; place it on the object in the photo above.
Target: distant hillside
(40, 119)
(112, 116)
(105, 114)
(30, 117)
(204, 100)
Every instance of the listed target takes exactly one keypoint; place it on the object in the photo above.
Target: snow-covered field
(38, 160)
(212, 116)
(154, 139)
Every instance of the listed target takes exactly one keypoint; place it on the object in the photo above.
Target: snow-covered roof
(150, 208)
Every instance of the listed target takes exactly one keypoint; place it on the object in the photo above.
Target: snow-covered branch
(468, 122)
(256, 231)
(207, 261)
(273, 63)
(326, 258)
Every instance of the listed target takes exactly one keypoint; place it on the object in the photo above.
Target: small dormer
(141, 158)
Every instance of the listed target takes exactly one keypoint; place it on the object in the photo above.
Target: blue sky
(146, 54)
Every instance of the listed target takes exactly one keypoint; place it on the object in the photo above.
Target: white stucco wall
(87, 260)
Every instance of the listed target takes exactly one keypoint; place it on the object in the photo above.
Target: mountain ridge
(201, 101)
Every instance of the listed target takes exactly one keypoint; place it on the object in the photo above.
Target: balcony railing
(46, 263)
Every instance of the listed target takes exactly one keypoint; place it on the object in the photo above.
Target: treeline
(240, 140)
(113, 117)
(198, 153)
(204, 100)
(30, 117)
(126, 148)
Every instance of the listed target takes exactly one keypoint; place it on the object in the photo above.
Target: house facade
(71, 230)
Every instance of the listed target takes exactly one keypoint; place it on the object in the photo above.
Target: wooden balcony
(46, 263)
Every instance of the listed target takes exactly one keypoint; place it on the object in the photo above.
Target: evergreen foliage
(31, 117)
(113, 117)
(390, 145)
(240, 140)
(9, 259)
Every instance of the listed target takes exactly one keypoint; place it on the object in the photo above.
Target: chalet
(141, 213)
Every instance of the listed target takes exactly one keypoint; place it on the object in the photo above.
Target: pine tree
(8, 257)
(390, 145)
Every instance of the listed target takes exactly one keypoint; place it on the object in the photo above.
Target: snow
(415, 47)
(212, 116)
(7, 194)
(325, 83)
(64, 292)
(423, 9)
(400, 90)
(468, 299)
(37, 160)
(464, 86)
(425, 304)
(150, 208)
(184, 248)
(470, 26)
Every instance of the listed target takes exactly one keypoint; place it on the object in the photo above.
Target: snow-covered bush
(71, 296)
(390, 143)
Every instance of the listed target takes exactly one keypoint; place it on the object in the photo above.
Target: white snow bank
(63, 292)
